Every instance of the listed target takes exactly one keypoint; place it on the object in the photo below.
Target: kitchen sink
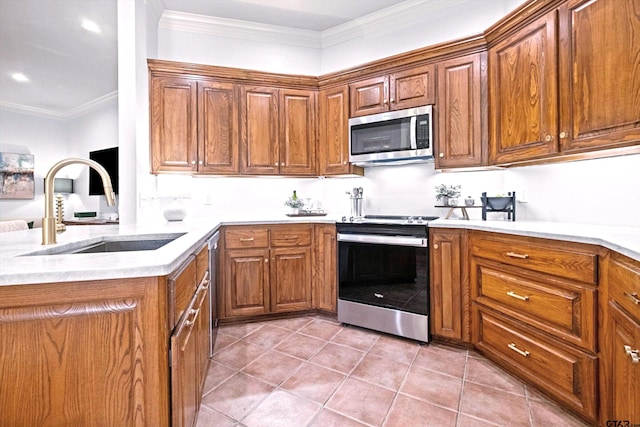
(106, 244)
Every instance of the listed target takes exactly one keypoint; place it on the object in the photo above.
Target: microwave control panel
(422, 131)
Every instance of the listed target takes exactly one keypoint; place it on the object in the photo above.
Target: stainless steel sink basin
(148, 242)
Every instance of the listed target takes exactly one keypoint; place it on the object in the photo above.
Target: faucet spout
(49, 226)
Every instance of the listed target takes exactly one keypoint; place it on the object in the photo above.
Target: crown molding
(401, 14)
(235, 28)
(71, 114)
(392, 17)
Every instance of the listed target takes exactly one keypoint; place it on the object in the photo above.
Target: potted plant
(294, 204)
(445, 192)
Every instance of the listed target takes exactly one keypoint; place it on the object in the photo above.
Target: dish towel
(18, 224)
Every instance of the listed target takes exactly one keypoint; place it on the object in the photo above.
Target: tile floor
(312, 371)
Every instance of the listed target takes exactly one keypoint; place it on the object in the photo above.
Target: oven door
(385, 271)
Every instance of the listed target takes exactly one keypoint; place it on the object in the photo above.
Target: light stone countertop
(16, 269)
(625, 240)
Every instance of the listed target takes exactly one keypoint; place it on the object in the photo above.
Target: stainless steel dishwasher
(213, 274)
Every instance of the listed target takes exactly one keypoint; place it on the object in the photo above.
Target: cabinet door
(369, 96)
(290, 279)
(324, 268)
(523, 93)
(217, 128)
(449, 295)
(203, 327)
(333, 141)
(174, 132)
(624, 333)
(246, 284)
(599, 66)
(185, 398)
(461, 111)
(259, 149)
(297, 132)
(412, 88)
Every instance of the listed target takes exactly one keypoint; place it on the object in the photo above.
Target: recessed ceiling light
(19, 77)
(90, 26)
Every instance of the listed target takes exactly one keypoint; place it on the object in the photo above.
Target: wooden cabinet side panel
(84, 353)
(523, 93)
(461, 111)
(412, 88)
(290, 279)
(173, 124)
(259, 148)
(599, 68)
(218, 128)
(325, 276)
(297, 132)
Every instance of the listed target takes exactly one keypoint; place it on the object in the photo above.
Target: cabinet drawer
(572, 261)
(182, 286)
(559, 308)
(624, 284)
(291, 236)
(560, 370)
(239, 238)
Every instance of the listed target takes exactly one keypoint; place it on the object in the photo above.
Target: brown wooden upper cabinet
(277, 131)
(461, 112)
(566, 83)
(404, 89)
(193, 126)
(333, 126)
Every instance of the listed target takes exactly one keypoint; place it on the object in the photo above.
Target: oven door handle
(418, 242)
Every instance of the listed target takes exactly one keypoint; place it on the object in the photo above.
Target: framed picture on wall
(16, 176)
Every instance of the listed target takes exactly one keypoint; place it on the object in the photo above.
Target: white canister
(175, 211)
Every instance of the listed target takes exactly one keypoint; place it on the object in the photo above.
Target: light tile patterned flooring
(312, 371)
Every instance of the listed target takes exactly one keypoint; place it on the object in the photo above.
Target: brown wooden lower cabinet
(325, 274)
(560, 370)
(84, 353)
(449, 285)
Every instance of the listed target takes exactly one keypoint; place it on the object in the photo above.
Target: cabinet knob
(393, 100)
(266, 260)
(200, 162)
(193, 162)
(344, 162)
(441, 155)
(385, 102)
(435, 246)
(275, 164)
(548, 138)
(283, 164)
(563, 135)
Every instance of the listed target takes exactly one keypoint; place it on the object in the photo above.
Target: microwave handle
(412, 133)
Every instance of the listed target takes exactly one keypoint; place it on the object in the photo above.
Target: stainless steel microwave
(403, 136)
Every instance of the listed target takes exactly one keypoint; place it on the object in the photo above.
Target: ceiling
(69, 67)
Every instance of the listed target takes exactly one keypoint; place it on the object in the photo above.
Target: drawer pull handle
(634, 354)
(247, 239)
(516, 296)
(194, 313)
(633, 297)
(513, 347)
(515, 255)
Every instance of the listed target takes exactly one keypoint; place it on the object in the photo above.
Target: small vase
(294, 211)
(453, 201)
(469, 201)
(445, 201)
(175, 211)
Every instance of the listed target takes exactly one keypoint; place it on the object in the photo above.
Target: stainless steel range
(383, 272)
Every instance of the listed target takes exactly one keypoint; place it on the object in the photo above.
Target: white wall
(600, 191)
(46, 139)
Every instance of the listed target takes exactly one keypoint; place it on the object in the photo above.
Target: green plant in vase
(446, 192)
